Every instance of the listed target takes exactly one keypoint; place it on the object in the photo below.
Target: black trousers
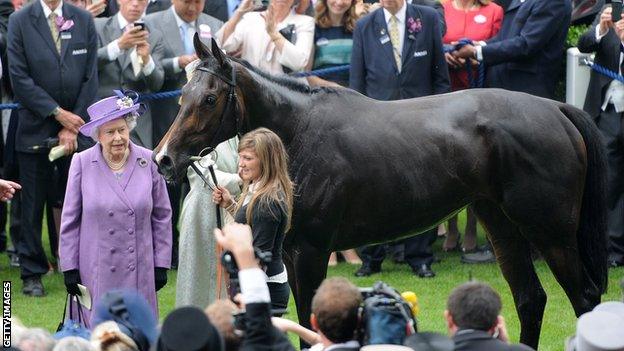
(610, 124)
(42, 182)
(417, 251)
(280, 292)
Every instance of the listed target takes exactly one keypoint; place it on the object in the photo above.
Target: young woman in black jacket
(265, 203)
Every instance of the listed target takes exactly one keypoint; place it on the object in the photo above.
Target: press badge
(65, 35)
(384, 39)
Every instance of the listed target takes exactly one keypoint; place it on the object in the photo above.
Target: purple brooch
(63, 25)
(142, 162)
(414, 25)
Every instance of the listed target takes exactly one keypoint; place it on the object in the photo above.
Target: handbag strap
(81, 319)
(60, 326)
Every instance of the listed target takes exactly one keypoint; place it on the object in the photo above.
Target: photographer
(259, 333)
(473, 320)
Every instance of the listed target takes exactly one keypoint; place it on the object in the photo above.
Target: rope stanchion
(603, 70)
(175, 93)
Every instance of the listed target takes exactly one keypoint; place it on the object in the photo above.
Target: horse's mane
(286, 81)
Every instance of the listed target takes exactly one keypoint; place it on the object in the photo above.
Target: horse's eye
(210, 100)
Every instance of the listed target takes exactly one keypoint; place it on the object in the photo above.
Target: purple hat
(111, 108)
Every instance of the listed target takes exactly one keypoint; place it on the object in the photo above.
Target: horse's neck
(273, 106)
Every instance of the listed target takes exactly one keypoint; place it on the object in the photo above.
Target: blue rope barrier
(176, 93)
(603, 70)
(472, 82)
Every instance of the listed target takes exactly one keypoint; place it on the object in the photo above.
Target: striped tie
(394, 37)
(54, 31)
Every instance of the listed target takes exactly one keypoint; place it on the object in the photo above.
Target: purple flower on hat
(414, 25)
(63, 24)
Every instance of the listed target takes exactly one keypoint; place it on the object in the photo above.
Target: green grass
(559, 320)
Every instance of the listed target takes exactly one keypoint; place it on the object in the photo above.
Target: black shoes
(366, 271)
(33, 287)
(424, 271)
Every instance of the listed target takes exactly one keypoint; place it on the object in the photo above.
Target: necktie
(54, 31)
(186, 38)
(394, 37)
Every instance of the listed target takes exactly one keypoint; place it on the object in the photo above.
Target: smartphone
(616, 10)
(140, 24)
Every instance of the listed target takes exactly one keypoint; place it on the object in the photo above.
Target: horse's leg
(308, 268)
(513, 254)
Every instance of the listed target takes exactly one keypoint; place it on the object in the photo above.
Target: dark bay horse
(368, 171)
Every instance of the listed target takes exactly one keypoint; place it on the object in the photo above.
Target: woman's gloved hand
(160, 277)
(72, 279)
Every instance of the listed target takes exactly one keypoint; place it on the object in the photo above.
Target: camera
(229, 263)
(616, 10)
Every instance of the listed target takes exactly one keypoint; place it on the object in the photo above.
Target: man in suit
(335, 316)
(129, 58)
(472, 318)
(176, 26)
(605, 103)
(397, 54)
(53, 69)
(152, 6)
(527, 52)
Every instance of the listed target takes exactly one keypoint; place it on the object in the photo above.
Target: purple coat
(116, 231)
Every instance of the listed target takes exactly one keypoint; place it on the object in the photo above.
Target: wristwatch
(56, 112)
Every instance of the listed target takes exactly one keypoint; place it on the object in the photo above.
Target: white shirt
(251, 37)
(114, 51)
(46, 10)
(253, 286)
(400, 15)
(191, 33)
(615, 91)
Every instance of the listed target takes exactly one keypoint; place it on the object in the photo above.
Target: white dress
(198, 262)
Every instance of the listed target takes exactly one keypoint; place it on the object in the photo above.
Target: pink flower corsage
(63, 25)
(414, 25)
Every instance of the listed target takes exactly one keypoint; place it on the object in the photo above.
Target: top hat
(600, 330)
(111, 108)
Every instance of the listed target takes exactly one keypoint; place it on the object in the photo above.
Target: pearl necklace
(115, 166)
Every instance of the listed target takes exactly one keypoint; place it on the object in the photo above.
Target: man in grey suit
(176, 26)
(52, 49)
(129, 58)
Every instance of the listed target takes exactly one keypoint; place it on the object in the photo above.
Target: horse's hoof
(366, 271)
(424, 271)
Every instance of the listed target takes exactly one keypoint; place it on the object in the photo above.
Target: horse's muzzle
(165, 167)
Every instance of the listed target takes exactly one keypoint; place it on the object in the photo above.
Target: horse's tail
(592, 231)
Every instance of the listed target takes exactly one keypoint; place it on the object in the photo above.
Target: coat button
(131, 268)
(112, 250)
(131, 249)
(130, 212)
(110, 213)
(130, 231)
(111, 231)
(112, 269)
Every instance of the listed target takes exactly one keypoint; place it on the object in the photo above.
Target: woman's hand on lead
(222, 197)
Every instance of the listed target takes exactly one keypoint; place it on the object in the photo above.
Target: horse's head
(210, 112)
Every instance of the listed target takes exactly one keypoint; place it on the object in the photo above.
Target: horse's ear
(202, 51)
(218, 54)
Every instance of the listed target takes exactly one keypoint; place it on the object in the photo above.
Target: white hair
(36, 339)
(131, 121)
(73, 343)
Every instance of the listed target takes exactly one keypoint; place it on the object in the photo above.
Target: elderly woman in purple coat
(116, 221)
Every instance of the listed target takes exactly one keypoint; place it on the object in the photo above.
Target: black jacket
(260, 334)
(607, 55)
(476, 340)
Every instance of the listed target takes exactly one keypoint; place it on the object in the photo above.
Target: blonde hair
(348, 18)
(108, 337)
(274, 183)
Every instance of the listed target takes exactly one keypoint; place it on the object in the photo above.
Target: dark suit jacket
(476, 340)
(527, 52)
(42, 79)
(607, 55)
(260, 334)
(438, 7)
(217, 9)
(373, 68)
(6, 9)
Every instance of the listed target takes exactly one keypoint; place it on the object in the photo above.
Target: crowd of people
(78, 67)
